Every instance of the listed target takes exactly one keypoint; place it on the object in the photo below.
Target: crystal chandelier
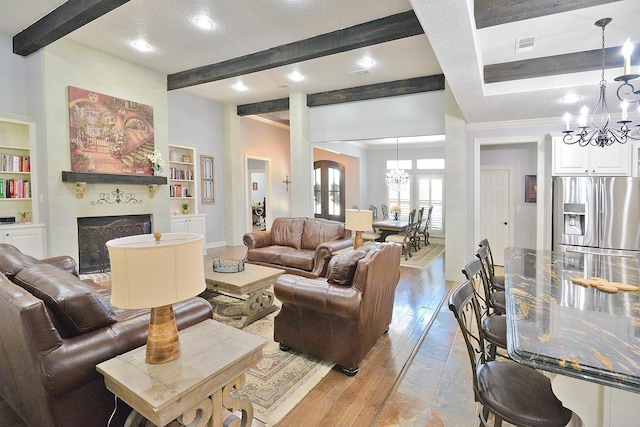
(599, 133)
(396, 177)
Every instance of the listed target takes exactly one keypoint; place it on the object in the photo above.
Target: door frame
(511, 201)
(247, 190)
(543, 205)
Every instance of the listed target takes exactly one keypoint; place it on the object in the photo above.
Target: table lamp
(155, 271)
(358, 220)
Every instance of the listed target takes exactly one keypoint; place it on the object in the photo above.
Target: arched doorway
(328, 190)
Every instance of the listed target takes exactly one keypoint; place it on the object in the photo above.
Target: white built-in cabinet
(190, 224)
(572, 159)
(635, 159)
(183, 190)
(18, 189)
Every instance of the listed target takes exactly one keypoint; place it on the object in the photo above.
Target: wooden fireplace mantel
(83, 178)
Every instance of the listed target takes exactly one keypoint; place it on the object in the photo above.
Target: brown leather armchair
(340, 318)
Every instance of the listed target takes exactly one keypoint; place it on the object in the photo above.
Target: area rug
(281, 379)
(424, 257)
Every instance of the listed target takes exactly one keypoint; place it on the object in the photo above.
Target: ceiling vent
(360, 72)
(284, 86)
(525, 44)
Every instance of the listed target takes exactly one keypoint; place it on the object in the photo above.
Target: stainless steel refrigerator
(596, 213)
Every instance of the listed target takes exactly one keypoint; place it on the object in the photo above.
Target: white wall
(407, 115)
(197, 121)
(13, 80)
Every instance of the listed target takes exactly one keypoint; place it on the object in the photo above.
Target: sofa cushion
(302, 259)
(75, 304)
(287, 232)
(13, 261)
(343, 267)
(317, 231)
(269, 254)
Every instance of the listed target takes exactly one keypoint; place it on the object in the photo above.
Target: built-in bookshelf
(16, 165)
(182, 176)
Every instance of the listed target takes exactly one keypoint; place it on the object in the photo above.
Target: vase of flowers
(157, 162)
(395, 211)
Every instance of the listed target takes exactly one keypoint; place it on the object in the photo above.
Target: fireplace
(94, 232)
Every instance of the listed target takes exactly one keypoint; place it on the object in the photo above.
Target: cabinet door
(611, 160)
(197, 225)
(179, 225)
(569, 159)
(29, 240)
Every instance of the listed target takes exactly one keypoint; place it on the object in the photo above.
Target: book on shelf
(11, 163)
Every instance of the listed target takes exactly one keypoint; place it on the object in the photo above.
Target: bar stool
(498, 280)
(512, 392)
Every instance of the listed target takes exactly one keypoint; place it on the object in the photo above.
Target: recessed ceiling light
(570, 99)
(240, 87)
(367, 62)
(141, 45)
(203, 22)
(296, 76)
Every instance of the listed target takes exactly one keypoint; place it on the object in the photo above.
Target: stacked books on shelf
(177, 190)
(15, 188)
(178, 173)
(11, 163)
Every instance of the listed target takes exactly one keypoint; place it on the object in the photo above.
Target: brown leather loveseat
(340, 318)
(54, 329)
(301, 246)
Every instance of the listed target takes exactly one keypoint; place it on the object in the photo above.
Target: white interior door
(495, 200)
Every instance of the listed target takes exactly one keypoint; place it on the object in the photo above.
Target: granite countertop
(559, 326)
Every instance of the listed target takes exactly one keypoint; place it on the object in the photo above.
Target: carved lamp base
(162, 342)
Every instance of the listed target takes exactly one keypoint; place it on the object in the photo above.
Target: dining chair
(498, 280)
(385, 211)
(424, 228)
(511, 392)
(404, 238)
(415, 237)
(494, 324)
(374, 210)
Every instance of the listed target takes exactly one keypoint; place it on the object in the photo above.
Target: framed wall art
(109, 134)
(530, 188)
(207, 180)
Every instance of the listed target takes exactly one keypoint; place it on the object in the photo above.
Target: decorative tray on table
(228, 265)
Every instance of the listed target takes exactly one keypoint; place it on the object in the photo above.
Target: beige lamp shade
(358, 219)
(146, 275)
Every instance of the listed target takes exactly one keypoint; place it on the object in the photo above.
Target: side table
(194, 389)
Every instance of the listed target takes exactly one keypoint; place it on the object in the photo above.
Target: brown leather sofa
(340, 318)
(54, 329)
(301, 246)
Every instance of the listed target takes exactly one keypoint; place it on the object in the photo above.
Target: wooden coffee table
(201, 383)
(253, 281)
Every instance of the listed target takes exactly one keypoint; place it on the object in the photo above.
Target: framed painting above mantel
(109, 134)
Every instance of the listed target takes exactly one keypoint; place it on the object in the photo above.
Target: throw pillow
(344, 267)
(75, 304)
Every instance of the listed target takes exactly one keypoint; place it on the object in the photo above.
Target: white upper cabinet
(614, 160)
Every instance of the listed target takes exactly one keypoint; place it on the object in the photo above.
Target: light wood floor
(416, 375)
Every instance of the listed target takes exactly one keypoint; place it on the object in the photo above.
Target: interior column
(234, 202)
(301, 157)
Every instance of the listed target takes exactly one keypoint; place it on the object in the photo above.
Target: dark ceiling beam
(381, 30)
(557, 64)
(379, 90)
(70, 16)
(495, 12)
(264, 107)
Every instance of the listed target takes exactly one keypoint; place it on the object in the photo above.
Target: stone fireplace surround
(94, 232)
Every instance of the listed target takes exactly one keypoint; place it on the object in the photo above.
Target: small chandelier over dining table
(599, 133)
(396, 177)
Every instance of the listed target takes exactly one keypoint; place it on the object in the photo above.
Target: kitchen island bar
(588, 339)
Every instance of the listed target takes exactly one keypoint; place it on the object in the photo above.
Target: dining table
(390, 226)
(587, 340)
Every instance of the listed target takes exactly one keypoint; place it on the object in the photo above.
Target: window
(431, 192)
(430, 164)
(401, 198)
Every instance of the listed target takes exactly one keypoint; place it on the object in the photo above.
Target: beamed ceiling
(415, 44)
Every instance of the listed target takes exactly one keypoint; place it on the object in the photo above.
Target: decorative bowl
(228, 265)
